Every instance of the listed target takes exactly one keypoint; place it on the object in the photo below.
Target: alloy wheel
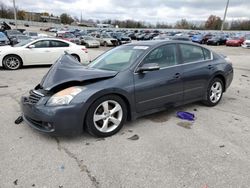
(108, 116)
(12, 62)
(215, 92)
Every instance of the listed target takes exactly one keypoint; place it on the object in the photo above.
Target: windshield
(105, 36)
(88, 38)
(118, 59)
(33, 34)
(68, 35)
(22, 37)
(2, 35)
(23, 43)
(14, 32)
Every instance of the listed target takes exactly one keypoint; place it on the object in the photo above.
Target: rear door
(164, 87)
(57, 49)
(197, 67)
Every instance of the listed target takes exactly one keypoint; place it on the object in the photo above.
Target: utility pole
(14, 5)
(225, 14)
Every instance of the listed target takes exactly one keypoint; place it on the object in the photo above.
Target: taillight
(85, 50)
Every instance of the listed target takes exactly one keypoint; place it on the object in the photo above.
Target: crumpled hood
(66, 69)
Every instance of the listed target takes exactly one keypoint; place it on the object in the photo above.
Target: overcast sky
(142, 10)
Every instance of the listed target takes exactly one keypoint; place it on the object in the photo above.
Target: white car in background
(39, 51)
(246, 43)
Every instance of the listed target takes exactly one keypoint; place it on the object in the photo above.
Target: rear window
(191, 53)
(207, 54)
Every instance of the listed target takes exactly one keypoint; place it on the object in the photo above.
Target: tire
(12, 62)
(101, 121)
(76, 57)
(214, 92)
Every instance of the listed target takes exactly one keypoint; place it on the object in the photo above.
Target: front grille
(34, 96)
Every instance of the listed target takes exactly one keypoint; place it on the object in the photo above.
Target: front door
(159, 88)
(40, 53)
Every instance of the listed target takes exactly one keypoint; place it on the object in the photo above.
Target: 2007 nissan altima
(124, 83)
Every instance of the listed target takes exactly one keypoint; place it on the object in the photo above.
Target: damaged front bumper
(59, 120)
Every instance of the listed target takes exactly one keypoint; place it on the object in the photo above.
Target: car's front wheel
(12, 62)
(106, 116)
(214, 92)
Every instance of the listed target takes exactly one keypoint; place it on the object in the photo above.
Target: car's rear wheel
(106, 116)
(214, 92)
(12, 62)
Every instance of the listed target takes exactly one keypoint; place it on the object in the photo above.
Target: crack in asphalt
(83, 167)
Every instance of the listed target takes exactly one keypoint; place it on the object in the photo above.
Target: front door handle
(210, 67)
(177, 75)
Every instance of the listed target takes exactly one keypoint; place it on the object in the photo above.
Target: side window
(56, 44)
(191, 53)
(207, 54)
(42, 44)
(165, 56)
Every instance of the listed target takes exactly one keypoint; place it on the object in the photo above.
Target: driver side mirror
(148, 67)
(31, 46)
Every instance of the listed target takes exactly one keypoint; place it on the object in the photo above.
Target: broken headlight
(64, 97)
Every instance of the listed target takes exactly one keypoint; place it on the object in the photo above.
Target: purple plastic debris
(186, 115)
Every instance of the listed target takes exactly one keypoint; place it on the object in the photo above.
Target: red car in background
(68, 36)
(235, 41)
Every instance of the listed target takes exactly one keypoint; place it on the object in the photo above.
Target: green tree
(66, 19)
(213, 22)
(183, 24)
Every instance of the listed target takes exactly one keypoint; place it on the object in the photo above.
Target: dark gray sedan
(125, 83)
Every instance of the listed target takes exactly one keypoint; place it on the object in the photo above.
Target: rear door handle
(177, 75)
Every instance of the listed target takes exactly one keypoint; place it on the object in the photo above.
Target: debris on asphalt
(185, 115)
(33, 185)
(195, 110)
(100, 139)
(15, 182)
(238, 91)
(185, 124)
(60, 186)
(243, 75)
(236, 119)
(134, 137)
(62, 168)
(4, 86)
(87, 144)
(222, 146)
(19, 120)
(130, 130)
